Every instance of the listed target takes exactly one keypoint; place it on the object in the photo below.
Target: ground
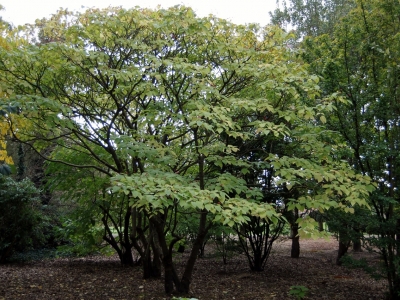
(104, 278)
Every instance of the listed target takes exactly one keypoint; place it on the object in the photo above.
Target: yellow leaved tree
(5, 159)
(8, 116)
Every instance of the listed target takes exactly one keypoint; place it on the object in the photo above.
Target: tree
(358, 63)
(153, 113)
(311, 17)
(8, 40)
(5, 160)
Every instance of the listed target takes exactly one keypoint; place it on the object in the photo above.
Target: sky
(19, 12)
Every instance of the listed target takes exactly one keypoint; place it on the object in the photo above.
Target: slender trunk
(126, 244)
(187, 275)
(392, 274)
(320, 226)
(295, 251)
(138, 237)
(398, 237)
(343, 247)
(151, 266)
(388, 273)
(256, 238)
(147, 258)
(202, 249)
(134, 218)
(145, 246)
(171, 278)
(21, 163)
(121, 243)
(157, 262)
(201, 234)
(357, 246)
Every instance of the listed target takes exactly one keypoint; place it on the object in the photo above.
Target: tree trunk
(146, 264)
(343, 247)
(294, 234)
(124, 250)
(171, 278)
(357, 247)
(151, 267)
(295, 251)
(320, 226)
(187, 275)
(398, 238)
(157, 262)
(258, 262)
(127, 257)
(202, 248)
(201, 235)
(256, 239)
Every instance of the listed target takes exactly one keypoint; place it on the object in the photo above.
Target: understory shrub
(20, 216)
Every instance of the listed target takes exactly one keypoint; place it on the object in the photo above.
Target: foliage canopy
(169, 113)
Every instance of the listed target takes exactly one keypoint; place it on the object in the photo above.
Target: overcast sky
(19, 12)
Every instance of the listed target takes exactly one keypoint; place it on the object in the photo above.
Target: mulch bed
(101, 277)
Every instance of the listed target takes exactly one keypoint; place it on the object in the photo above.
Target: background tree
(5, 159)
(359, 63)
(311, 17)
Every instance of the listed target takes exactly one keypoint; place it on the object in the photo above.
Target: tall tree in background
(311, 17)
(5, 159)
(360, 62)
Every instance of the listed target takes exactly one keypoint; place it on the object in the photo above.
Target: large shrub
(20, 216)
